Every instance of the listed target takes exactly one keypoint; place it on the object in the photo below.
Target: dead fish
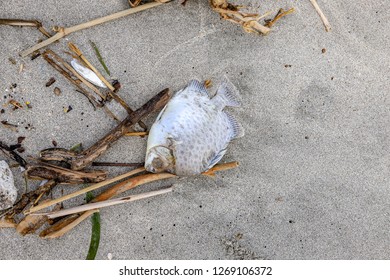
(192, 132)
(87, 74)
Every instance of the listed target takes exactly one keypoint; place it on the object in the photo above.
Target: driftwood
(65, 176)
(88, 156)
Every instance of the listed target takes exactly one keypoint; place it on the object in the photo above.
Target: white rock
(8, 191)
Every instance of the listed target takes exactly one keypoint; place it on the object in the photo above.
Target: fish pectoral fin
(214, 160)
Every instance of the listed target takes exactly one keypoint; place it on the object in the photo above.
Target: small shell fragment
(87, 74)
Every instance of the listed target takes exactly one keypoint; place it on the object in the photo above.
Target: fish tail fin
(237, 129)
(227, 94)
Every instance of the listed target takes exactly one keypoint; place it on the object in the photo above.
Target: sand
(314, 176)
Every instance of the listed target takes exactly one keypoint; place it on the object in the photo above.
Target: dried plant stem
(78, 52)
(7, 223)
(83, 191)
(118, 164)
(111, 92)
(58, 229)
(74, 72)
(281, 13)
(68, 226)
(137, 134)
(322, 16)
(22, 22)
(64, 73)
(66, 31)
(103, 204)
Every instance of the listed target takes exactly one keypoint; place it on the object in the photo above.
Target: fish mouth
(160, 159)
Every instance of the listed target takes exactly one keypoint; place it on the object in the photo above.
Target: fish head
(160, 159)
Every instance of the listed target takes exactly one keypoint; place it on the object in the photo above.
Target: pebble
(8, 191)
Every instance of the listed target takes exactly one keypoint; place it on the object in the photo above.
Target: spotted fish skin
(192, 132)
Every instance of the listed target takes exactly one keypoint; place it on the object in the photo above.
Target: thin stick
(85, 190)
(103, 204)
(137, 134)
(322, 16)
(22, 22)
(118, 164)
(281, 13)
(66, 31)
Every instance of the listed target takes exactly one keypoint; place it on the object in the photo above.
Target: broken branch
(88, 156)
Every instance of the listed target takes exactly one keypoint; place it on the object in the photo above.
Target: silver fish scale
(200, 132)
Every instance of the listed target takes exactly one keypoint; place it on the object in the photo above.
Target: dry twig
(102, 204)
(22, 22)
(322, 16)
(62, 32)
(83, 191)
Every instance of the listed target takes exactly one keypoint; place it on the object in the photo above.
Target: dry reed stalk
(69, 222)
(322, 16)
(103, 204)
(68, 30)
(83, 191)
(30, 23)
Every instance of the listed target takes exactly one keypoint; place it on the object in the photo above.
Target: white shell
(8, 191)
(87, 74)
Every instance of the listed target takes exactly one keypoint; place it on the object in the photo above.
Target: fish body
(192, 132)
(87, 74)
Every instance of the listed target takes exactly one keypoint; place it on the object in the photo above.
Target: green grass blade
(95, 235)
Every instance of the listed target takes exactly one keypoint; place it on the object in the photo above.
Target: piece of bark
(88, 156)
(57, 154)
(12, 154)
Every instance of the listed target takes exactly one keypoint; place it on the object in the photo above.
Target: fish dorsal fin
(237, 130)
(197, 86)
(227, 95)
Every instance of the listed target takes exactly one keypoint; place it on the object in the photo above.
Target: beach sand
(313, 180)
